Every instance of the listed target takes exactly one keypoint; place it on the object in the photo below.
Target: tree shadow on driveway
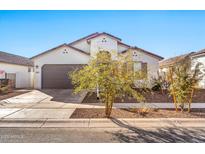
(158, 135)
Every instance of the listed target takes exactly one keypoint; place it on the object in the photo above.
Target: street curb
(103, 119)
(103, 123)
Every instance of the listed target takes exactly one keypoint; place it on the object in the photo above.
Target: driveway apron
(42, 104)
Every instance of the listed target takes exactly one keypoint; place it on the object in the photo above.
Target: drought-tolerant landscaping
(115, 82)
(151, 97)
(137, 113)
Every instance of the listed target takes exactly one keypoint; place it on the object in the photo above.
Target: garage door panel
(56, 76)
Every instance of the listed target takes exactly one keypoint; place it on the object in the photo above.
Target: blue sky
(166, 33)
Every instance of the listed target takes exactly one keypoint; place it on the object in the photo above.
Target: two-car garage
(52, 67)
(55, 76)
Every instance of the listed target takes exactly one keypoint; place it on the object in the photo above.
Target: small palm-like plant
(184, 77)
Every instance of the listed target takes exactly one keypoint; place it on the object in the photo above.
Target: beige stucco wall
(152, 62)
(200, 59)
(57, 56)
(83, 45)
(110, 45)
(152, 65)
(23, 77)
(121, 48)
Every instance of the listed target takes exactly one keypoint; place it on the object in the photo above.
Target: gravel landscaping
(151, 97)
(134, 113)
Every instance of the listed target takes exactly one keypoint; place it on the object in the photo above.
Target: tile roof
(173, 60)
(199, 52)
(14, 59)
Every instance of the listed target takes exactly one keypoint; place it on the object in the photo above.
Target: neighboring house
(197, 57)
(16, 68)
(51, 67)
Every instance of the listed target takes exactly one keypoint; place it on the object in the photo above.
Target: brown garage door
(56, 76)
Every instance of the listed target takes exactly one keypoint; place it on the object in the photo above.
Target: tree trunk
(182, 107)
(190, 101)
(173, 92)
(106, 105)
(108, 110)
(109, 104)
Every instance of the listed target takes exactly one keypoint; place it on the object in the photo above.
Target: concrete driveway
(32, 97)
(52, 95)
(41, 104)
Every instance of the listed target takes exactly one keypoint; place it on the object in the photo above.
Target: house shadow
(157, 135)
(63, 95)
(67, 96)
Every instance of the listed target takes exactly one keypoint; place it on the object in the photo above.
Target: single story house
(16, 68)
(52, 66)
(49, 69)
(196, 57)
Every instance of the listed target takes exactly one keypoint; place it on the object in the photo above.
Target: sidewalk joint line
(12, 113)
(44, 123)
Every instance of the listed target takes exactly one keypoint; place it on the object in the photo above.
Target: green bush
(160, 83)
(4, 90)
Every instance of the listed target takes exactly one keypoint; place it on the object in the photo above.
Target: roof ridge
(171, 61)
(199, 52)
(185, 54)
(105, 34)
(83, 38)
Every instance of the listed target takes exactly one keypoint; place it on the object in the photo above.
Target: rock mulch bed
(151, 97)
(133, 113)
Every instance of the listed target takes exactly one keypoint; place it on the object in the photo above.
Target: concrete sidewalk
(105, 123)
(60, 105)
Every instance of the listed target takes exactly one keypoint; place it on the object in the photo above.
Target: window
(144, 70)
(104, 40)
(134, 54)
(65, 51)
(30, 69)
(141, 67)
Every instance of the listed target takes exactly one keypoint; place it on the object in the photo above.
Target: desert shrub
(160, 83)
(114, 78)
(143, 111)
(184, 77)
(4, 90)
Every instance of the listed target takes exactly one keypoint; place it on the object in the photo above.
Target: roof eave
(147, 52)
(67, 45)
(99, 34)
(31, 65)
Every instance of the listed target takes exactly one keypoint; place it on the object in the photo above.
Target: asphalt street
(102, 135)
